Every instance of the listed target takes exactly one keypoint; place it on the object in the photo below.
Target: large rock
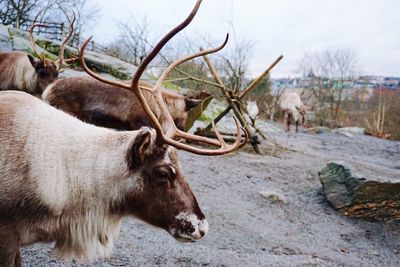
(359, 197)
(14, 39)
(349, 131)
(5, 40)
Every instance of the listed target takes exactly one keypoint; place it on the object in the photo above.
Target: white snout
(193, 227)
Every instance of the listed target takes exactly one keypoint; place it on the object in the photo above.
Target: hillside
(13, 39)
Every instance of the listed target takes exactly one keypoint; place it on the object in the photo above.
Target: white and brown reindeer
(292, 107)
(70, 182)
(114, 106)
(22, 72)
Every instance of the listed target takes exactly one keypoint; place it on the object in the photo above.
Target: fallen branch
(358, 197)
(246, 91)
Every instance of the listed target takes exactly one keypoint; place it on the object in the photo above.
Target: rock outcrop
(372, 199)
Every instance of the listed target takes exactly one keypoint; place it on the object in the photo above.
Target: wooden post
(245, 92)
(238, 113)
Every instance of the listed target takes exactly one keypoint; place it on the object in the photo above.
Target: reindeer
(70, 182)
(23, 72)
(292, 106)
(113, 106)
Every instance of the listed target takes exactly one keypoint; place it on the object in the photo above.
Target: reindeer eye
(41, 73)
(162, 176)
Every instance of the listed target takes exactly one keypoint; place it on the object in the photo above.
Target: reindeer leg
(297, 126)
(10, 255)
(18, 259)
(286, 121)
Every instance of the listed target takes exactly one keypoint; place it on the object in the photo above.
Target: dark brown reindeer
(23, 72)
(66, 181)
(113, 106)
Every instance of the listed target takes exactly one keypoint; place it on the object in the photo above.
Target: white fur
(252, 109)
(198, 225)
(49, 88)
(289, 101)
(25, 75)
(77, 169)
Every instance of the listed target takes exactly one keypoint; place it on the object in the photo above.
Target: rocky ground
(267, 210)
(263, 210)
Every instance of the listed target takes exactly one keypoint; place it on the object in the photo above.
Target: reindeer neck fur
(75, 170)
(25, 75)
(18, 72)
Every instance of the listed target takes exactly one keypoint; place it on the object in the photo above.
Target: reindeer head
(165, 198)
(179, 107)
(46, 70)
(302, 111)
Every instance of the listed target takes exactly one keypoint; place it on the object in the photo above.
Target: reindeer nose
(203, 227)
(202, 233)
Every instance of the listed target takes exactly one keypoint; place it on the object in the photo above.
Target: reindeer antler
(32, 39)
(173, 131)
(60, 60)
(42, 57)
(99, 77)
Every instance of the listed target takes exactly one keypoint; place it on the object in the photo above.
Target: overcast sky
(288, 27)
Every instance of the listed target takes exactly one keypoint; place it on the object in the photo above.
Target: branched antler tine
(93, 74)
(67, 38)
(210, 141)
(218, 134)
(246, 137)
(146, 61)
(173, 129)
(31, 38)
(224, 149)
(172, 66)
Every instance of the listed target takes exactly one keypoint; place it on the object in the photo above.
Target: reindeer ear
(191, 103)
(140, 148)
(34, 61)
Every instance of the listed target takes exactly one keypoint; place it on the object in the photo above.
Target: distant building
(361, 87)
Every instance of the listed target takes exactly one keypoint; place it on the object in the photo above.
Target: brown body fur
(111, 106)
(19, 71)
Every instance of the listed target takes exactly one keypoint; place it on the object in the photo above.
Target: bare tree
(327, 73)
(18, 12)
(233, 64)
(86, 12)
(134, 42)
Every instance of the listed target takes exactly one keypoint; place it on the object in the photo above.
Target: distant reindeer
(23, 72)
(66, 181)
(292, 106)
(113, 106)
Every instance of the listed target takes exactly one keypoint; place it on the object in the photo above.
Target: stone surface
(13, 39)
(349, 131)
(5, 44)
(360, 197)
(275, 197)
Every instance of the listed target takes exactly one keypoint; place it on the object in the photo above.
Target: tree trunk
(358, 197)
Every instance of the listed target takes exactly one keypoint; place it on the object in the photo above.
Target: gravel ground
(295, 228)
